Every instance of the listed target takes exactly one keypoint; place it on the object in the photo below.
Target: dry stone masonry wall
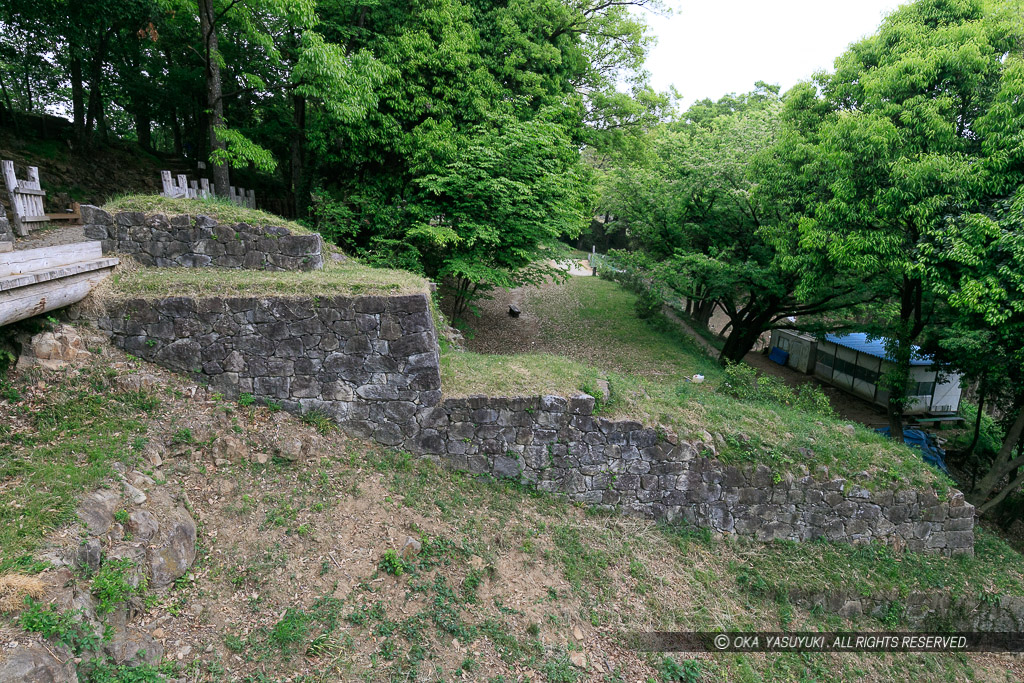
(560, 445)
(367, 360)
(6, 235)
(372, 364)
(201, 241)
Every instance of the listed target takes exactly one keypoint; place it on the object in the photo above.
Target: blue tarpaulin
(930, 451)
(779, 356)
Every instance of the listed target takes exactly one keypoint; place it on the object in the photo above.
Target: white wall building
(855, 362)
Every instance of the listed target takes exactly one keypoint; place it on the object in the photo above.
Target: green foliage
(391, 563)
(648, 304)
(686, 671)
(291, 629)
(116, 582)
(67, 628)
(743, 381)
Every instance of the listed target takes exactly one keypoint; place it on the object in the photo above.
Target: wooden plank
(26, 302)
(168, 184)
(35, 277)
(45, 258)
(11, 182)
(29, 191)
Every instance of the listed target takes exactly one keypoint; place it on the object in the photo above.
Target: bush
(743, 382)
(648, 304)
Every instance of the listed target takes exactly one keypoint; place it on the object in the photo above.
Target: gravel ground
(51, 237)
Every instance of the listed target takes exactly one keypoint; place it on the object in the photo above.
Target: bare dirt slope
(305, 570)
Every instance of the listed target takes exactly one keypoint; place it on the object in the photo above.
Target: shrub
(743, 382)
(648, 304)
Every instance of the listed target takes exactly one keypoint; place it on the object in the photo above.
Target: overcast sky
(710, 48)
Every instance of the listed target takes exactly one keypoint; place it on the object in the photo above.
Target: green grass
(218, 208)
(614, 573)
(336, 279)
(465, 373)
(77, 429)
(590, 330)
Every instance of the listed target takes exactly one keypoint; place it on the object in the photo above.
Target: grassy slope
(509, 582)
(223, 210)
(336, 279)
(590, 329)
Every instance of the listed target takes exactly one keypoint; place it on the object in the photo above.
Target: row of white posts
(181, 187)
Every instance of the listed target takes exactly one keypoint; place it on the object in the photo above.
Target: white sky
(710, 48)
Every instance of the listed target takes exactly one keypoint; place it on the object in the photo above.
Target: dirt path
(51, 237)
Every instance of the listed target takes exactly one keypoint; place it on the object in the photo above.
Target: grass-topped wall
(371, 362)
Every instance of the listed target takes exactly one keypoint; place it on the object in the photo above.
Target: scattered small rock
(578, 659)
(411, 548)
(134, 494)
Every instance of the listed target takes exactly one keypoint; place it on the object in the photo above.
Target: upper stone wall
(157, 240)
(351, 358)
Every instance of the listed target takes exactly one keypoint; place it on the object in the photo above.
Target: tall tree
(902, 149)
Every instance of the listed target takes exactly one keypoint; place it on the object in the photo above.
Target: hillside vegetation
(294, 579)
(588, 329)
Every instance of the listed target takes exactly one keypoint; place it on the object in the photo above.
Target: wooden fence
(26, 199)
(181, 187)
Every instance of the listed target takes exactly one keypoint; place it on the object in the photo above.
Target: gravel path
(51, 237)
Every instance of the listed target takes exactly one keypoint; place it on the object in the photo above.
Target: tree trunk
(911, 326)
(176, 133)
(299, 156)
(78, 98)
(1001, 466)
(214, 96)
(977, 420)
(746, 329)
(95, 111)
(9, 108)
(143, 128)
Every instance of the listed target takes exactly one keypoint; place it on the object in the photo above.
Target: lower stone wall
(559, 445)
(372, 364)
(6, 234)
(932, 611)
(183, 241)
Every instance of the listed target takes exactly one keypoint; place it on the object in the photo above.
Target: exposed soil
(51, 237)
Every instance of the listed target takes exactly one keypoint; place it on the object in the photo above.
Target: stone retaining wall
(201, 241)
(6, 234)
(366, 358)
(932, 611)
(559, 445)
(372, 364)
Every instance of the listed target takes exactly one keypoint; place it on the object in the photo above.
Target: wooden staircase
(35, 281)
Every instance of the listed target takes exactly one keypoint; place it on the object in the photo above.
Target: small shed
(798, 350)
(855, 362)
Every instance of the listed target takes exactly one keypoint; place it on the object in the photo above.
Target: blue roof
(874, 346)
